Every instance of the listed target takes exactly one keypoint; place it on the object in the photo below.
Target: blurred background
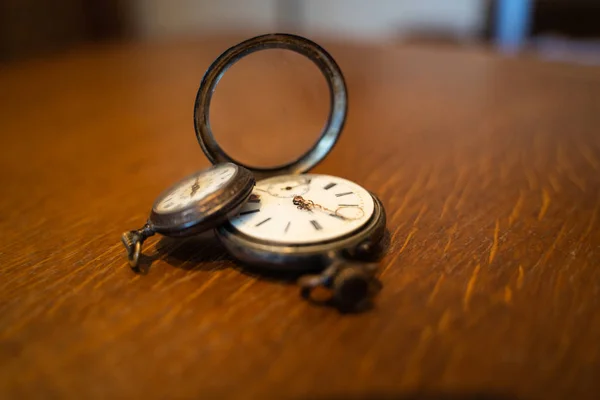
(555, 29)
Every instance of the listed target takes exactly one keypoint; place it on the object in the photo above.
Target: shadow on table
(197, 253)
(205, 252)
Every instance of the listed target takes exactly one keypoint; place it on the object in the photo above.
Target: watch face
(304, 209)
(195, 188)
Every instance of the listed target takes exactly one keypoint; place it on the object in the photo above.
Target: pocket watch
(329, 232)
(324, 228)
(193, 205)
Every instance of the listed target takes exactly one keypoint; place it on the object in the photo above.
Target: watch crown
(133, 244)
(128, 241)
(132, 240)
(351, 286)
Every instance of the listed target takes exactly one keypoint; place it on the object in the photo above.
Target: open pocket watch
(325, 228)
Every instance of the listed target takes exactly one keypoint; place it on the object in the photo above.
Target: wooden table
(489, 169)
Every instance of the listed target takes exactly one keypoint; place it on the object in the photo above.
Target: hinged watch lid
(298, 44)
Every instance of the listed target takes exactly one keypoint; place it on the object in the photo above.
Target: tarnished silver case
(305, 258)
(212, 211)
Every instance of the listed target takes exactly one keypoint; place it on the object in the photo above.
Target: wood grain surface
(489, 169)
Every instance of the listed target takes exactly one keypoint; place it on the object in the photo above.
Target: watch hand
(309, 205)
(195, 188)
(303, 204)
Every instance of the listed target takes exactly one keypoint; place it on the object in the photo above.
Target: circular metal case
(298, 44)
(305, 258)
(208, 213)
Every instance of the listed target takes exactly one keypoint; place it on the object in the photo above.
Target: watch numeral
(329, 185)
(343, 194)
(287, 227)
(316, 225)
(262, 222)
(347, 205)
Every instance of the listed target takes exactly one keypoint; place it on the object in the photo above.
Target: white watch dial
(195, 188)
(304, 209)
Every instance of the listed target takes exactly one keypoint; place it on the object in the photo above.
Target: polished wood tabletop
(488, 167)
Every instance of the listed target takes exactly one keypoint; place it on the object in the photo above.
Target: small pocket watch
(325, 228)
(195, 204)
